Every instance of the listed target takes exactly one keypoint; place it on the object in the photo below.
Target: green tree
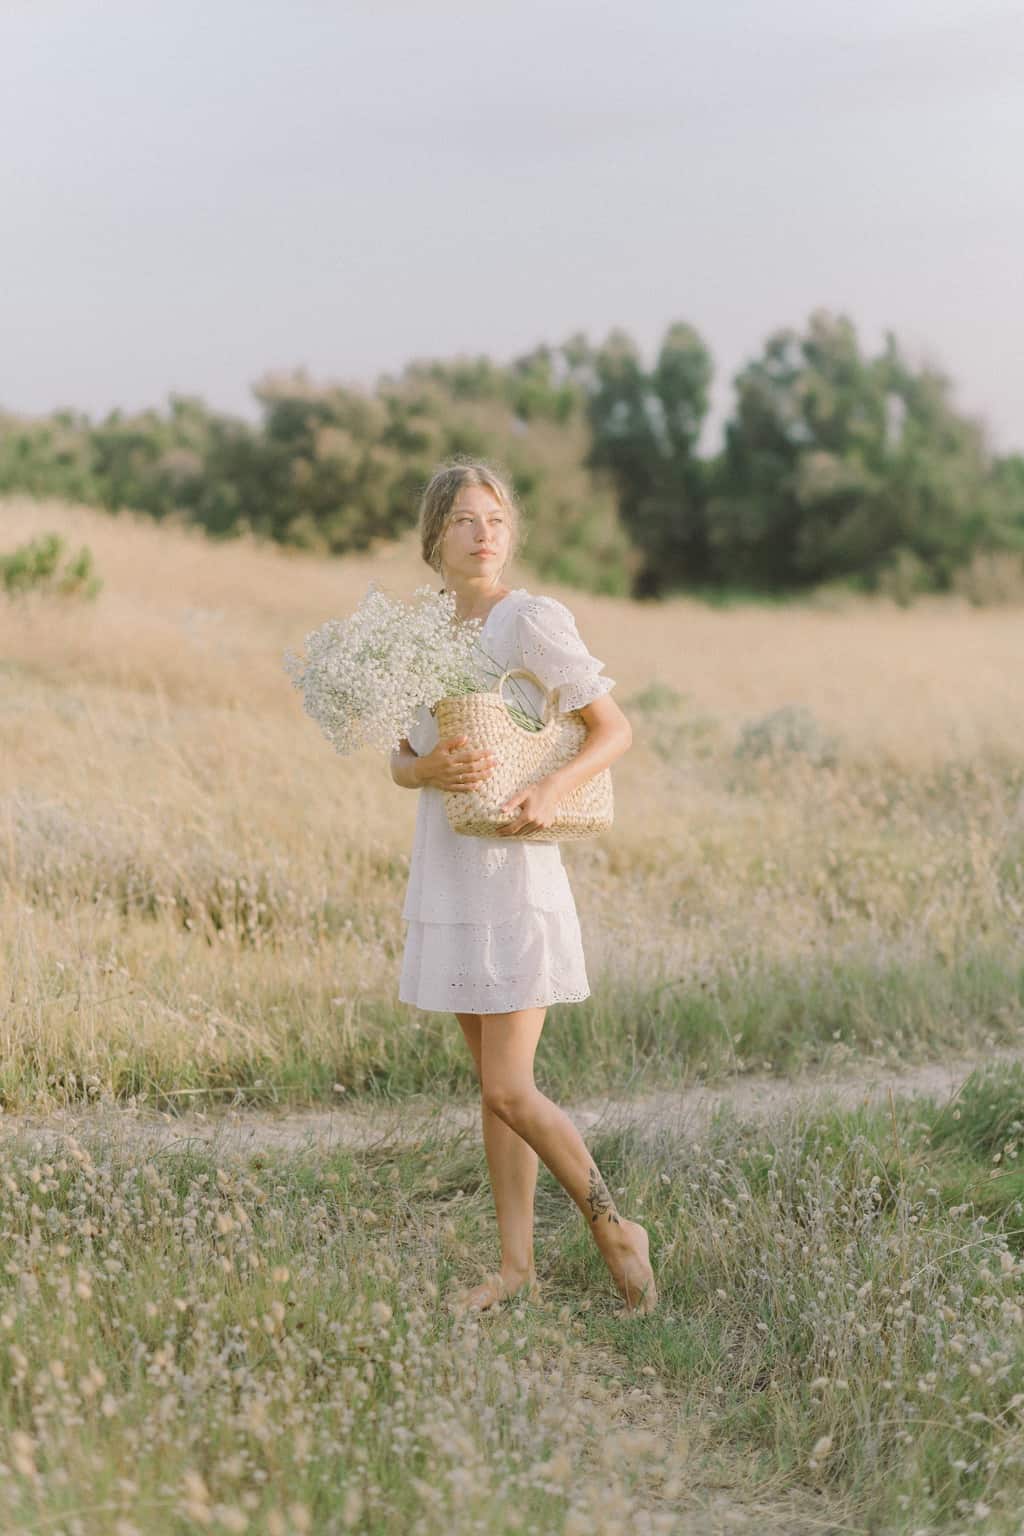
(645, 428)
(840, 465)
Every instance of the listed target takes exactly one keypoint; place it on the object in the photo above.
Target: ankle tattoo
(599, 1199)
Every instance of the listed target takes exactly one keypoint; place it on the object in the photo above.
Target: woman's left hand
(536, 806)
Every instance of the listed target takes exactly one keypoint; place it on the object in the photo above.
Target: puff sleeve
(550, 645)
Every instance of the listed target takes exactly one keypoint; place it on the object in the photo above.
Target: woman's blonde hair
(438, 499)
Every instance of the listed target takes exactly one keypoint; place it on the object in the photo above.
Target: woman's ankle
(517, 1272)
(616, 1236)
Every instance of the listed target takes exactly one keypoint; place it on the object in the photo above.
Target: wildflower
(351, 1508)
(364, 677)
(195, 1503)
(23, 1453)
(822, 1448)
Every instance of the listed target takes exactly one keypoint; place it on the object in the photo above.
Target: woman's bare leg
(508, 1043)
(512, 1164)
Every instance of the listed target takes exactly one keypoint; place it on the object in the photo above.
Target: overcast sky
(194, 192)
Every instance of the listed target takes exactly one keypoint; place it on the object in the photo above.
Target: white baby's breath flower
(363, 678)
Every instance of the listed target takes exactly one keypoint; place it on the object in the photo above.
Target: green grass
(256, 1342)
(277, 1047)
(853, 1278)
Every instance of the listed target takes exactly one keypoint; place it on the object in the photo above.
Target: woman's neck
(467, 604)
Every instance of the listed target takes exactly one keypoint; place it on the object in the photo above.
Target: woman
(493, 934)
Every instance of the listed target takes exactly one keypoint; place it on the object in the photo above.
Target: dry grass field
(199, 895)
(817, 861)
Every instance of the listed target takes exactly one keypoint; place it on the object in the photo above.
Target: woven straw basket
(523, 757)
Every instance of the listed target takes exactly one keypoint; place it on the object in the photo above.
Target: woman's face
(477, 538)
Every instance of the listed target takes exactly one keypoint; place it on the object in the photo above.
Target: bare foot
(497, 1288)
(630, 1265)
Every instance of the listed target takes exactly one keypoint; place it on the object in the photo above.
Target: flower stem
(524, 715)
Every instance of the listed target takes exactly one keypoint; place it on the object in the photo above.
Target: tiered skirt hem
(532, 961)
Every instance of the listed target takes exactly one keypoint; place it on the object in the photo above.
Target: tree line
(835, 465)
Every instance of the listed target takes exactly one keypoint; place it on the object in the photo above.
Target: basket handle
(549, 693)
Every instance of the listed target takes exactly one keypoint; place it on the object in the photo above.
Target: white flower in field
(23, 1453)
(351, 1508)
(822, 1448)
(364, 677)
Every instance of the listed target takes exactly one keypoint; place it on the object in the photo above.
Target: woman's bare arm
(609, 735)
(451, 765)
(406, 766)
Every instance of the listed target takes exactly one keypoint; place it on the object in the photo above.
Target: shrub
(904, 577)
(32, 567)
(993, 576)
(673, 727)
(787, 731)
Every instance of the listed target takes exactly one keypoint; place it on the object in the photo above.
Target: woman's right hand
(451, 765)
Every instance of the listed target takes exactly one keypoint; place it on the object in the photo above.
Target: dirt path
(364, 1125)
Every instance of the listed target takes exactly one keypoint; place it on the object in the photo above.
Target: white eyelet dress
(491, 921)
